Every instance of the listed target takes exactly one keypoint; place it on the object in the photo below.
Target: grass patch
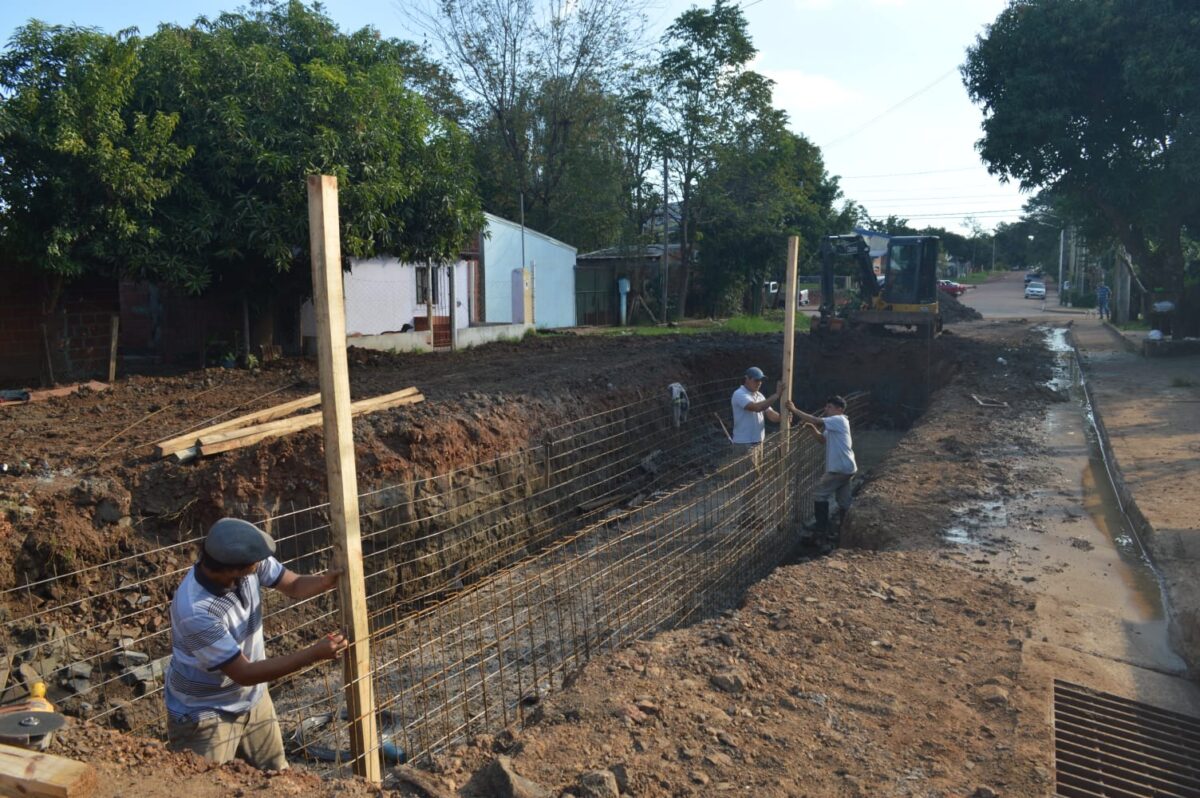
(748, 325)
(1182, 382)
(742, 325)
(1140, 324)
(976, 278)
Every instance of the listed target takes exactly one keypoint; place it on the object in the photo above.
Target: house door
(440, 309)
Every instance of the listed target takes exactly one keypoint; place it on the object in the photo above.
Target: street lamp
(1062, 239)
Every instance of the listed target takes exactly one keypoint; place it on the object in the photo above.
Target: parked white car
(1035, 290)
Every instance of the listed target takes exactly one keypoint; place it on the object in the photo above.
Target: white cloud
(800, 92)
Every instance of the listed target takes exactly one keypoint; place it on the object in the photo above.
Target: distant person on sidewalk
(840, 467)
(1064, 294)
(1102, 295)
(216, 691)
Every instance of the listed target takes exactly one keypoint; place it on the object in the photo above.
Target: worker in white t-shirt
(749, 409)
(834, 429)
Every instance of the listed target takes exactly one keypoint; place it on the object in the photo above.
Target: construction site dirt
(917, 660)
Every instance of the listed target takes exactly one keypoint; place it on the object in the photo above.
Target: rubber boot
(820, 523)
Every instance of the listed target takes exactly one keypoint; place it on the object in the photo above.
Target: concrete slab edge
(1130, 345)
(1133, 512)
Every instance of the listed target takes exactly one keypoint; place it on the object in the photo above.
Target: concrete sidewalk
(1149, 409)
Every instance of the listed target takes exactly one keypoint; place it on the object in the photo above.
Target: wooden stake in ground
(789, 334)
(112, 350)
(329, 303)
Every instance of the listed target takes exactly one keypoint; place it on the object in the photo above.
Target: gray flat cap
(232, 541)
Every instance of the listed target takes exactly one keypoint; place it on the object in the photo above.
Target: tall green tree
(708, 94)
(269, 95)
(1099, 101)
(539, 78)
(81, 171)
(765, 185)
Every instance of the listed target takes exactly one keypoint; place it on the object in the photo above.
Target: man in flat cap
(216, 685)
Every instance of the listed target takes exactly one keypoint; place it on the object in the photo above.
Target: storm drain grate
(1105, 745)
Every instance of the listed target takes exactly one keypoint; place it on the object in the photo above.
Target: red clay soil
(893, 669)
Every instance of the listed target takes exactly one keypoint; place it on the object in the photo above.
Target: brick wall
(77, 331)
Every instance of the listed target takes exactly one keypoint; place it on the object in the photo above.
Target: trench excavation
(490, 584)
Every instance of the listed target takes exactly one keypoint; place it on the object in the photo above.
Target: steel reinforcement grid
(487, 586)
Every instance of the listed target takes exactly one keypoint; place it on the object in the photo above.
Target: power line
(881, 115)
(960, 214)
(910, 174)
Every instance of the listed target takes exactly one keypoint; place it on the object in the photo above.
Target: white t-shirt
(748, 426)
(839, 451)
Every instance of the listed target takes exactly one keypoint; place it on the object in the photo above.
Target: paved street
(1004, 297)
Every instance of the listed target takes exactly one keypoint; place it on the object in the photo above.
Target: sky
(874, 83)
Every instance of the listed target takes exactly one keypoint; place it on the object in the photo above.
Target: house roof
(645, 252)
(500, 220)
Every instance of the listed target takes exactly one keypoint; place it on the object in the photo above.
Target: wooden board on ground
(24, 772)
(236, 439)
(238, 432)
(188, 439)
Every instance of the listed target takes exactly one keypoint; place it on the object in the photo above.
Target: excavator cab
(910, 273)
(904, 293)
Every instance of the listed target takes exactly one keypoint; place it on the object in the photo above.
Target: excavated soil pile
(954, 311)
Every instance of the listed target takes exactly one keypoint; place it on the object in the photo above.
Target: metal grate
(1105, 745)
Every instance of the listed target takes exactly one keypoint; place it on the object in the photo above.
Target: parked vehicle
(952, 288)
(1035, 290)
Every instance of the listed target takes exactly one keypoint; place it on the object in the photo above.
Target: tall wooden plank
(789, 332)
(112, 349)
(329, 302)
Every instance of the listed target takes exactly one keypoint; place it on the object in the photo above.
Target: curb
(1129, 506)
(1131, 346)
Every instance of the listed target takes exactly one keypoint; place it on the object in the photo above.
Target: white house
(388, 302)
(552, 267)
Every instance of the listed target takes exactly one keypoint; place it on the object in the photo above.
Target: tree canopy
(1099, 101)
(81, 169)
(181, 156)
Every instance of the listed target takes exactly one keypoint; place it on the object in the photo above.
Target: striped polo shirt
(210, 626)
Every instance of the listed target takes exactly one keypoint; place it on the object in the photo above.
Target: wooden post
(453, 269)
(49, 357)
(789, 333)
(329, 303)
(429, 278)
(112, 350)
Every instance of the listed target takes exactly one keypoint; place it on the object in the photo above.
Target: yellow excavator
(903, 293)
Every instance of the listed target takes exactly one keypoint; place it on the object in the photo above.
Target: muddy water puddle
(1130, 586)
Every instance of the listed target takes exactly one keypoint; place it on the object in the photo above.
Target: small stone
(130, 659)
(993, 694)
(730, 681)
(699, 777)
(503, 781)
(598, 784)
(79, 670)
(984, 792)
(648, 707)
(719, 760)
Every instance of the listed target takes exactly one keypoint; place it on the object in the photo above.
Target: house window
(423, 274)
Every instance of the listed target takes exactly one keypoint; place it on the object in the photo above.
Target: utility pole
(666, 215)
